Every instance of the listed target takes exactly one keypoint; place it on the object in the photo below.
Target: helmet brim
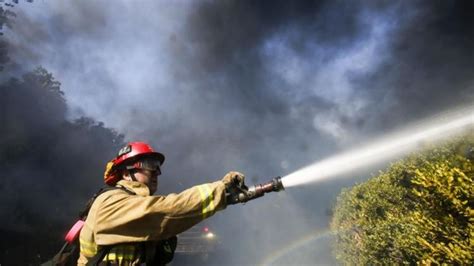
(160, 157)
(155, 155)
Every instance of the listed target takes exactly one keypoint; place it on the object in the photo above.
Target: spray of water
(406, 141)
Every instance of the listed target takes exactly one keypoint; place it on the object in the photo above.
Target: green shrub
(419, 211)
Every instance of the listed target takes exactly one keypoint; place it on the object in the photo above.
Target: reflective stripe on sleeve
(89, 249)
(207, 200)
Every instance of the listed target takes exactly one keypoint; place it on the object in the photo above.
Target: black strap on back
(149, 249)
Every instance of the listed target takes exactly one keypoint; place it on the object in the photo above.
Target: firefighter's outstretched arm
(124, 218)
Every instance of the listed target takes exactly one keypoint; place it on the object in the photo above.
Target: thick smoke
(430, 64)
(259, 87)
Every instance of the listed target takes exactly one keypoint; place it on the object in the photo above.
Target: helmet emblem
(124, 150)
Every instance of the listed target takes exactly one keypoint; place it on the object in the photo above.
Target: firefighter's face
(147, 177)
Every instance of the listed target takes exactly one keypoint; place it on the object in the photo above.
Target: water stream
(408, 140)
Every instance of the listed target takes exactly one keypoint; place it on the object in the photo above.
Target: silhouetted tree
(5, 20)
(50, 165)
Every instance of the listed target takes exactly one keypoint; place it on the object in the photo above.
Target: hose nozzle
(259, 190)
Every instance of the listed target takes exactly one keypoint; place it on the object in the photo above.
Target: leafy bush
(420, 210)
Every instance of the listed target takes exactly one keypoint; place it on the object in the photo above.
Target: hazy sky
(262, 87)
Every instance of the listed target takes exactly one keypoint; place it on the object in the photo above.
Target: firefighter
(130, 226)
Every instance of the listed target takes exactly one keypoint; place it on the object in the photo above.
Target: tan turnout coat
(117, 217)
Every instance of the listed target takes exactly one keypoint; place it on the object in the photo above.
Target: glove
(235, 187)
(232, 179)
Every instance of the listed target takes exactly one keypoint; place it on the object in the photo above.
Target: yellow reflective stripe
(87, 248)
(120, 253)
(210, 207)
(87, 253)
(119, 256)
(203, 197)
(87, 243)
(206, 200)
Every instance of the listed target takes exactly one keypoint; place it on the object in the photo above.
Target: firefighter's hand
(234, 179)
(235, 186)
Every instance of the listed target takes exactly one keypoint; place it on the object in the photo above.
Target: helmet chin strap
(132, 174)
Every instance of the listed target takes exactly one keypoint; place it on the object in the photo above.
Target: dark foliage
(50, 166)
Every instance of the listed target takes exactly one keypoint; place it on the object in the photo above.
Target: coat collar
(137, 187)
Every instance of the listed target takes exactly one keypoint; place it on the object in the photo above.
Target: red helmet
(128, 154)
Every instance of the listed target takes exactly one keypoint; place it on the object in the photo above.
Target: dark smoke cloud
(431, 64)
(260, 87)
